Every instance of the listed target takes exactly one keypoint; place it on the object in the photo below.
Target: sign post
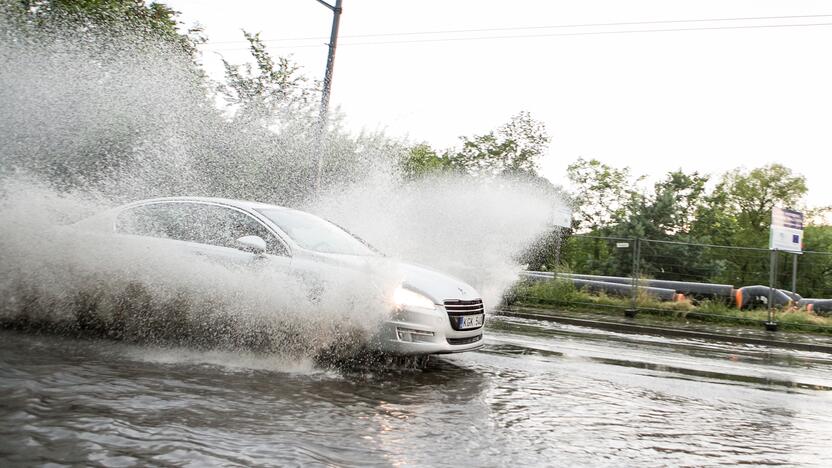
(786, 235)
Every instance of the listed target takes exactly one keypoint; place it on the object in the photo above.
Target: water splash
(66, 280)
(90, 121)
(471, 228)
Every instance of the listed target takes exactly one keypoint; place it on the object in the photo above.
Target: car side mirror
(253, 244)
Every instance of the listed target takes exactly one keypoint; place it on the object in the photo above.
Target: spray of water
(90, 121)
(66, 280)
(471, 228)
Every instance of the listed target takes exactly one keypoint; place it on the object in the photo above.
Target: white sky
(707, 100)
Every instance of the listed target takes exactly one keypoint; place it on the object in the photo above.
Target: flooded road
(538, 394)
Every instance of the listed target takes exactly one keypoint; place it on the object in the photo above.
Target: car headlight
(406, 298)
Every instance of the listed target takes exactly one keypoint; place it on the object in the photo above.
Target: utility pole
(330, 64)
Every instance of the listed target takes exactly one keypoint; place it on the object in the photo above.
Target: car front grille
(458, 307)
(462, 341)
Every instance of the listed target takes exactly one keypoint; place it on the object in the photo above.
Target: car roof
(242, 204)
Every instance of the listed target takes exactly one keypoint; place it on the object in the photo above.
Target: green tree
(665, 214)
(601, 193)
(513, 149)
(270, 90)
(75, 100)
(680, 197)
(814, 274)
(108, 16)
(422, 160)
(275, 108)
(601, 197)
(754, 194)
(738, 213)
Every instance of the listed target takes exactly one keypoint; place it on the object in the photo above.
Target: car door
(206, 229)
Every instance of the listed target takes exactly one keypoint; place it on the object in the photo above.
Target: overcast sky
(743, 89)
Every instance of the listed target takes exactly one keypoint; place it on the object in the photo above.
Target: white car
(433, 313)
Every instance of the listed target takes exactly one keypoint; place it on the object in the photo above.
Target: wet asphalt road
(538, 394)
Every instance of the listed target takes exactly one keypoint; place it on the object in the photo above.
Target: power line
(528, 28)
(591, 33)
(565, 34)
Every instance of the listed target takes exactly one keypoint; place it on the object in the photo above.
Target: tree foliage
(110, 16)
(738, 211)
(683, 212)
(270, 89)
(601, 193)
(102, 95)
(512, 149)
(421, 160)
(815, 270)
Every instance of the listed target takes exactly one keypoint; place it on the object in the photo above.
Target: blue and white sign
(562, 216)
(786, 230)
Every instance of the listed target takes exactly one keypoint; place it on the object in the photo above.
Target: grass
(564, 296)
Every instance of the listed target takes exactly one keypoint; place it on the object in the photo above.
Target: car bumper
(411, 332)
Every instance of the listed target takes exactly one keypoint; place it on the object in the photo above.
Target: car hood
(436, 285)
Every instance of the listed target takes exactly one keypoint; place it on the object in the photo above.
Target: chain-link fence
(690, 281)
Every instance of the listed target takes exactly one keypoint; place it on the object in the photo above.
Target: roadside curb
(664, 331)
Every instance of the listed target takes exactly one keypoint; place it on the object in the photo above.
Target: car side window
(156, 220)
(196, 222)
(223, 226)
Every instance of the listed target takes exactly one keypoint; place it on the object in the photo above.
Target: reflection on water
(533, 399)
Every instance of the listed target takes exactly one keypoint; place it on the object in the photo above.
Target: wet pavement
(647, 323)
(538, 394)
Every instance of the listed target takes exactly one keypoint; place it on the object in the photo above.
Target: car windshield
(314, 233)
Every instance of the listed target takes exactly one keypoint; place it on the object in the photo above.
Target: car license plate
(465, 322)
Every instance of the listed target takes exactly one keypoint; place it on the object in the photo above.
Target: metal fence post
(558, 245)
(771, 325)
(794, 273)
(631, 312)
